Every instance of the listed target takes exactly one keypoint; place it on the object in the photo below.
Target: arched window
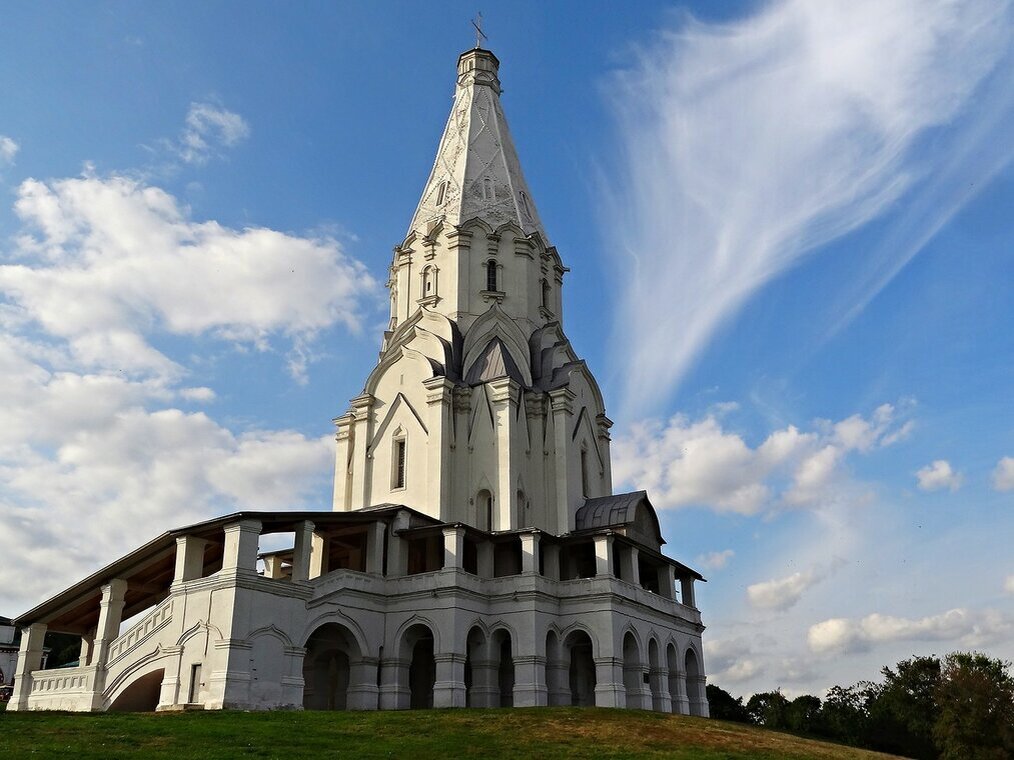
(487, 189)
(524, 204)
(484, 509)
(491, 276)
(441, 193)
(584, 471)
(429, 282)
(399, 460)
(545, 294)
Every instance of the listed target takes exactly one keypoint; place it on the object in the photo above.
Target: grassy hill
(542, 733)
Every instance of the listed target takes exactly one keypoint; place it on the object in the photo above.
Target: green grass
(542, 733)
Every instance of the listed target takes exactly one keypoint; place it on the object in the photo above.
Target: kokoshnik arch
(475, 555)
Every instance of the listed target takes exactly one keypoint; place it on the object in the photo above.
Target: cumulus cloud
(731, 660)
(781, 593)
(103, 261)
(716, 560)
(8, 150)
(1008, 584)
(747, 145)
(687, 462)
(209, 127)
(1003, 475)
(939, 475)
(967, 628)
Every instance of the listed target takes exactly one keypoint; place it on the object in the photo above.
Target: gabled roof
(476, 174)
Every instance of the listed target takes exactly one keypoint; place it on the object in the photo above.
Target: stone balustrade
(141, 631)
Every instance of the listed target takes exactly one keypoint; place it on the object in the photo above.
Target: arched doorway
(140, 696)
(502, 651)
(694, 683)
(417, 648)
(581, 673)
(633, 672)
(327, 667)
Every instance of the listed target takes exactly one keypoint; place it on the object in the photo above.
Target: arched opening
(484, 510)
(140, 696)
(672, 661)
(633, 672)
(655, 678)
(502, 650)
(581, 673)
(545, 294)
(417, 648)
(491, 276)
(327, 667)
(694, 683)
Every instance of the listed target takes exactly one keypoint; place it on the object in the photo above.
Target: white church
(475, 555)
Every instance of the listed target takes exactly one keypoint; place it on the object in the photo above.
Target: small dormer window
(441, 193)
(545, 294)
(487, 189)
(524, 204)
(491, 276)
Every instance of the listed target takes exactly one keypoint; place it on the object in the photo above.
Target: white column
(504, 397)
(603, 424)
(551, 561)
(687, 591)
(609, 688)
(562, 401)
(319, 548)
(485, 559)
(529, 552)
(342, 482)
(361, 406)
(33, 639)
(302, 552)
(667, 581)
(189, 558)
(631, 570)
(454, 545)
(449, 688)
(110, 617)
(240, 553)
(375, 535)
(530, 681)
(439, 396)
(603, 556)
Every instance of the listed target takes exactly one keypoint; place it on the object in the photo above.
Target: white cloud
(968, 628)
(716, 560)
(781, 593)
(103, 261)
(685, 462)
(8, 150)
(939, 475)
(748, 145)
(731, 660)
(208, 127)
(1003, 475)
(1008, 584)
(197, 394)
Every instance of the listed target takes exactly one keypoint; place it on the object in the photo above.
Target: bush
(975, 703)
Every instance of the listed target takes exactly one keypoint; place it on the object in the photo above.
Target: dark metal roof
(607, 511)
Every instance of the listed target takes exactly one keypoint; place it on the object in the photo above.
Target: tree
(975, 699)
(722, 705)
(802, 714)
(903, 712)
(768, 709)
(845, 714)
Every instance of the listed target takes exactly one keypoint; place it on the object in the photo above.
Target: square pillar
(667, 582)
(343, 452)
(319, 546)
(362, 407)
(240, 552)
(687, 591)
(484, 553)
(273, 567)
(375, 535)
(110, 617)
(562, 405)
(33, 639)
(551, 561)
(530, 553)
(303, 551)
(530, 688)
(87, 644)
(630, 568)
(449, 688)
(363, 692)
(609, 688)
(395, 693)
(454, 547)
(603, 556)
(189, 558)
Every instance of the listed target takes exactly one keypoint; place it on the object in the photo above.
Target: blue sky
(789, 229)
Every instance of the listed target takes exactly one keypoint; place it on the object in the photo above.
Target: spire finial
(479, 34)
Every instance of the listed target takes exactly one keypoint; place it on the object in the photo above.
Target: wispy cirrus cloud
(208, 128)
(8, 150)
(746, 146)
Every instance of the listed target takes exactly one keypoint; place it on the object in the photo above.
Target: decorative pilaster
(603, 556)
(562, 401)
(449, 688)
(609, 689)
(342, 463)
(439, 403)
(505, 394)
(361, 408)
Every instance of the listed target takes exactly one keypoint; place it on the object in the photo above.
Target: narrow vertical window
(491, 276)
(399, 464)
(441, 192)
(487, 189)
(545, 294)
(584, 472)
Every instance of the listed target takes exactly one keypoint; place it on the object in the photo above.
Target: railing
(62, 680)
(140, 631)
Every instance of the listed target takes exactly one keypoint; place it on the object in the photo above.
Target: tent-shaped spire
(477, 173)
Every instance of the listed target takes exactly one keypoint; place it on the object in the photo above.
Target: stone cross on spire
(479, 34)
